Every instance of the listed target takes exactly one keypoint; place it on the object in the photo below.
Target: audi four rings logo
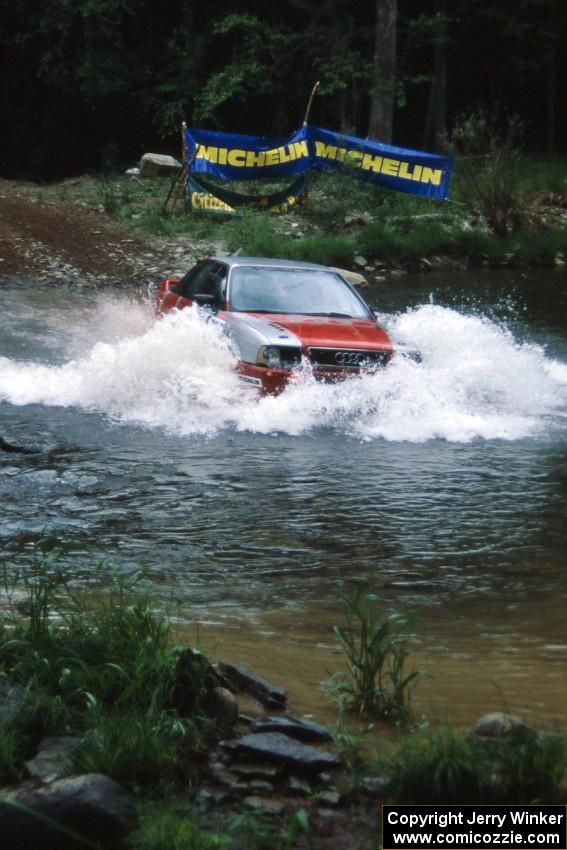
(350, 358)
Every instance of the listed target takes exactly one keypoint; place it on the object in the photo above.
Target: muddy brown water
(443, 484)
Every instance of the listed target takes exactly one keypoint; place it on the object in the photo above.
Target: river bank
(103, 710)
(112, 230)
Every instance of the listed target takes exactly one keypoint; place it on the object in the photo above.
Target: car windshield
(306, 292)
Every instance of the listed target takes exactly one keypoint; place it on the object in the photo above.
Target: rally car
(282, 316)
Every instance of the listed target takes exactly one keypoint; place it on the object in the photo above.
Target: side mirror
(204, 300)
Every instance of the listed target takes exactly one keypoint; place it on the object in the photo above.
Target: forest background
(91, 84)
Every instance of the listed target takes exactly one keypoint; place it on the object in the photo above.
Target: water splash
(475, 380)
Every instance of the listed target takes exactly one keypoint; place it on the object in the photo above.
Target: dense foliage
(94, 83)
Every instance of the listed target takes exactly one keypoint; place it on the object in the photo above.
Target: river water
(441, 483)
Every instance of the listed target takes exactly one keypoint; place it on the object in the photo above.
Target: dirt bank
(72, 242)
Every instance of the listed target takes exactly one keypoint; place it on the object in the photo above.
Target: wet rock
(58, 815)
(498, 724)
(220, 705)
(278, 748)
(354, 278)
(11, 700)
(194, 676)
(375, 786)
(54, 758)
(295, 727)
(245, 680)
(214, 797)
(261, 786)
(15, 448)
(255, 771)
(299, 786)
(153, 164)
(330, 798)
(263, 806)
(221, 776)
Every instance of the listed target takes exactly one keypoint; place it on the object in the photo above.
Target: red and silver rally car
(282, 314)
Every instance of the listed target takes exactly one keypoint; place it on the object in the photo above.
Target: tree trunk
(436, 120)
(382, 95)
(551, 73)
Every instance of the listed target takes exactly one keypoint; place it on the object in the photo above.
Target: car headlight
(270, 356)
(273, 357)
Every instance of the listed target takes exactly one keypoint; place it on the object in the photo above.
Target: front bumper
(274, 381)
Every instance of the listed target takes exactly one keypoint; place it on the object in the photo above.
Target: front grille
(347, 358)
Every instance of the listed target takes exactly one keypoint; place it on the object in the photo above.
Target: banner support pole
(310, 102)
(184, 170)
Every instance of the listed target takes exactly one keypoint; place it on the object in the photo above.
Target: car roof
(270, 262)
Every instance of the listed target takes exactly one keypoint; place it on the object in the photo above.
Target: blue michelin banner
(231, 156)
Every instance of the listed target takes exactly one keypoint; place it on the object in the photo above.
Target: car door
(205, 284)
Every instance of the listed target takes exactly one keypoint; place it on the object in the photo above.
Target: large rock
(54, 758)
(245, 680)
(295, 727)
(279, 749)
(354, 278)
(62, 814)
(194, 676)
(154, 164)
(220, 706)
(498, 724)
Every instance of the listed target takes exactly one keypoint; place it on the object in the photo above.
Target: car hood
(330, 332)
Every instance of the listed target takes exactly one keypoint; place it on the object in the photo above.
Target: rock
(375, 786)
(295, 727)
(54, 758)
(360, 262)
(223, 777)
(11, 701)
(278, 748)
(245, 680)
(194, 676)
(261, 786)
(265, 807)
(330, 798)
(354, 278)
(298, 786)
(255, 771)
(14, 448)
(220, 706)
(498, 724)
(65, 813)
(213, 797)
(154, 164)
(559, 260)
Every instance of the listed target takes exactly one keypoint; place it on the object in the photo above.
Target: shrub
(376, 647)
(489, 169)
(443, 766)
(134, 749)
(94, 671)
(437, 767)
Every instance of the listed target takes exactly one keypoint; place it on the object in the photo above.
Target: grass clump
(163, 826)
(110, 675)
(376, 646)
(444, 766)
(12, 753)
(166, 826)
